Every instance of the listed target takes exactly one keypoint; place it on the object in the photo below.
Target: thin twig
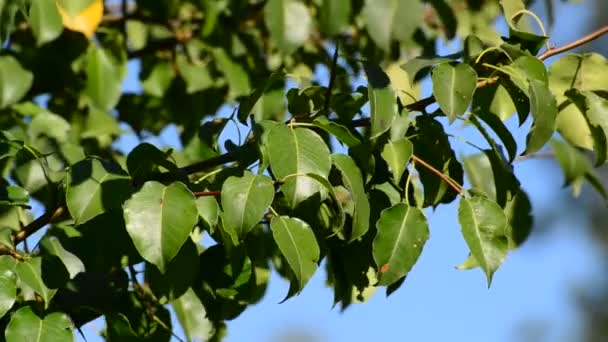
(38, 224)
(574, 44)
(206, 193)
(457, 187)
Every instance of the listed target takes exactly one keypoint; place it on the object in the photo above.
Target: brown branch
(206, 193)
(38, 224)
(419, 105)
(457, 187)
(574, 44)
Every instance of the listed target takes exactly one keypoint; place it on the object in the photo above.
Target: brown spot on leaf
(383, 268)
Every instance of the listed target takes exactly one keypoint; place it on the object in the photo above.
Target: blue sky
(438, 303)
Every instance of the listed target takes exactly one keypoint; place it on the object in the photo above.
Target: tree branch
(37, 224)
(574, 44)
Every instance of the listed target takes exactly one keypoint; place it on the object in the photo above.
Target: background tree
(324, 170)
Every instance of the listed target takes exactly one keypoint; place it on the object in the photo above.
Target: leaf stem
(37, 224)
(449, 181)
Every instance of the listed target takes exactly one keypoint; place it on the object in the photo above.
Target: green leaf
(416, 65)
(30, 273)
(235, 74)
(478, 169)
(402, 233)
(544, 111)
(432, 145)
(45, 21)
(192, 316)
(94, 187)
(397, 154)
(50, 125)
(248, 103)
(501, 131)
(527, 40)
(294, 153)
(72, 263)
(289, 23)
(159, 219)
(8, 284)
(159, 80)
(382, 102)
(352, 179)
(298, 245)
(9, 145)
(388, 20)
(583, 72)
(335, 16)
(483, 228)
(13, 195)
(341, 133)
(595, 111)
(576, 166)
(453, 87)
(104, 78)
(181, 273)
(244, 202)
(15, 81)
(208, 210)
(6, 237)
(25, 325)
(197, 76)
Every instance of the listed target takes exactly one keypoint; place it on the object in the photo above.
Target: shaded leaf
(402, 233)
(94, 187)
(72, 263)
(576, 166)
(341, 133)
(159, 219)
(335, 16)
(383, 106)
(352, 179)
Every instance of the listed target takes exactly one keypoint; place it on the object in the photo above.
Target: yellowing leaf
(86, 21)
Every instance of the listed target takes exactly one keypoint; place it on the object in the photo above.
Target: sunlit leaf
(244, 201)
(25, 325)
(402, 233)
(159, 219)
(483, 225)
(397, 154)
(453, 87)
(294, 152)
(79, 18)
(289, 23)
(15, 81)
(298, 245)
